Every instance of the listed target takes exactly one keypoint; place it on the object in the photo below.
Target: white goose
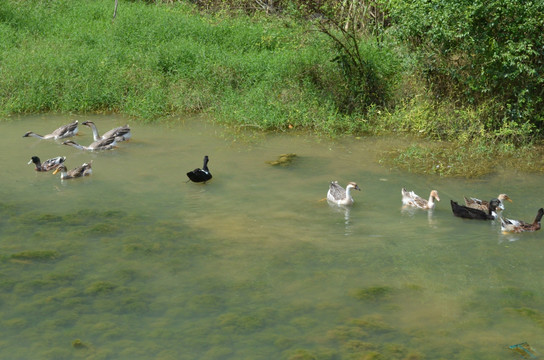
(339, 195)
(120, 133)
(410, 198)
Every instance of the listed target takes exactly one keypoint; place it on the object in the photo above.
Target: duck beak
(358, 188)
(30, 162)
(56, 171)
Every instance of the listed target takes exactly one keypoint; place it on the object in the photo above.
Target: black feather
(200, 175)
(470, 213)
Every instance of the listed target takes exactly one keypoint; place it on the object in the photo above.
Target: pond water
(134, 262)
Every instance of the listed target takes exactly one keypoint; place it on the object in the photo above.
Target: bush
(480, 51)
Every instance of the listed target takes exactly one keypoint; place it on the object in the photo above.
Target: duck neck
(348, 191)
(36, 135)
(37, 163)
(76, 145)
(205, 166)
(493, 212)
(430, 203)
(538, 218)
(96, 135)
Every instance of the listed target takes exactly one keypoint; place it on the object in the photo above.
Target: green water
(136, 263)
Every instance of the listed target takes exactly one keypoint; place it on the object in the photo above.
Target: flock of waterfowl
(107, 141)
(473, 209)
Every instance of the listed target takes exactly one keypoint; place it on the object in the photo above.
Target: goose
(49, 164)
(484, 205)
(120, 133)
(509, 225)
(470, 213)
(60, 133)
(340, 196)
(83, 170)
(200, 175)
(106, 144)
(410, 198)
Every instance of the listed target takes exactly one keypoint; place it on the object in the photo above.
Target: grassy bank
(272, 73)
(159, 60)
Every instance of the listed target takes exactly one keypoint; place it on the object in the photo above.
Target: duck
(340, 196)
(200, 175)
(47, 165)
(60, 133)
(517, 226)
(106, 144)
(80, 171)
(471, 213)
(120, 133)
(484, 205)
(412, 199)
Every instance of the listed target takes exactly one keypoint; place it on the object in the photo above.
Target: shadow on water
(136, 262)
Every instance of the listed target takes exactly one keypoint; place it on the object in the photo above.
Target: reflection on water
(134, 262)
(345, 211)
(411, 211)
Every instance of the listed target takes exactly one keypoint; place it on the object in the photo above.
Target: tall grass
(168, 59)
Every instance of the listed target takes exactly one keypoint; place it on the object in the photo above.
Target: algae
(373, 293)
(78, 344)
(301, 354)
(100, 288)
(38, 255)
(17, 323)
(283, 160)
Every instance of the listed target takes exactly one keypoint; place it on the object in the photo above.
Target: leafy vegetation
(466, 73)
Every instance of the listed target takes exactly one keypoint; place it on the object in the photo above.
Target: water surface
(136, 263)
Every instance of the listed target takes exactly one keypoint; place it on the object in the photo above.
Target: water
(136, 263)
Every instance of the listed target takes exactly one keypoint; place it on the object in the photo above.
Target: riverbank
(163, 61)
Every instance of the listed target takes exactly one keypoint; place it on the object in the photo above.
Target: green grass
(156, 61)
(271, 73)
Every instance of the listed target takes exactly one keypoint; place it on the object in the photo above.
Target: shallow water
(133, 262)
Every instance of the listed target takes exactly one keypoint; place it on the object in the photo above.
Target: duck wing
(53, 163)
(199, 175)
(411, 198)
(468, 212)
(119, 132)
(104, 144)
(336, 192)
(83, 170)
(476, 203)
(66, 130)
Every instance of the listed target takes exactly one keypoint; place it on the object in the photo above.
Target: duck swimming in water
(80, 171)
(106, 144)
(120, 133)
(484, 205)
(339, 195)
(60, 133)
(47, 165)
(410, 198)
(517, 226)
(200, 175)
(470, 213)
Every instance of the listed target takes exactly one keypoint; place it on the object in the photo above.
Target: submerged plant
(373, 293)
(42, 255)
